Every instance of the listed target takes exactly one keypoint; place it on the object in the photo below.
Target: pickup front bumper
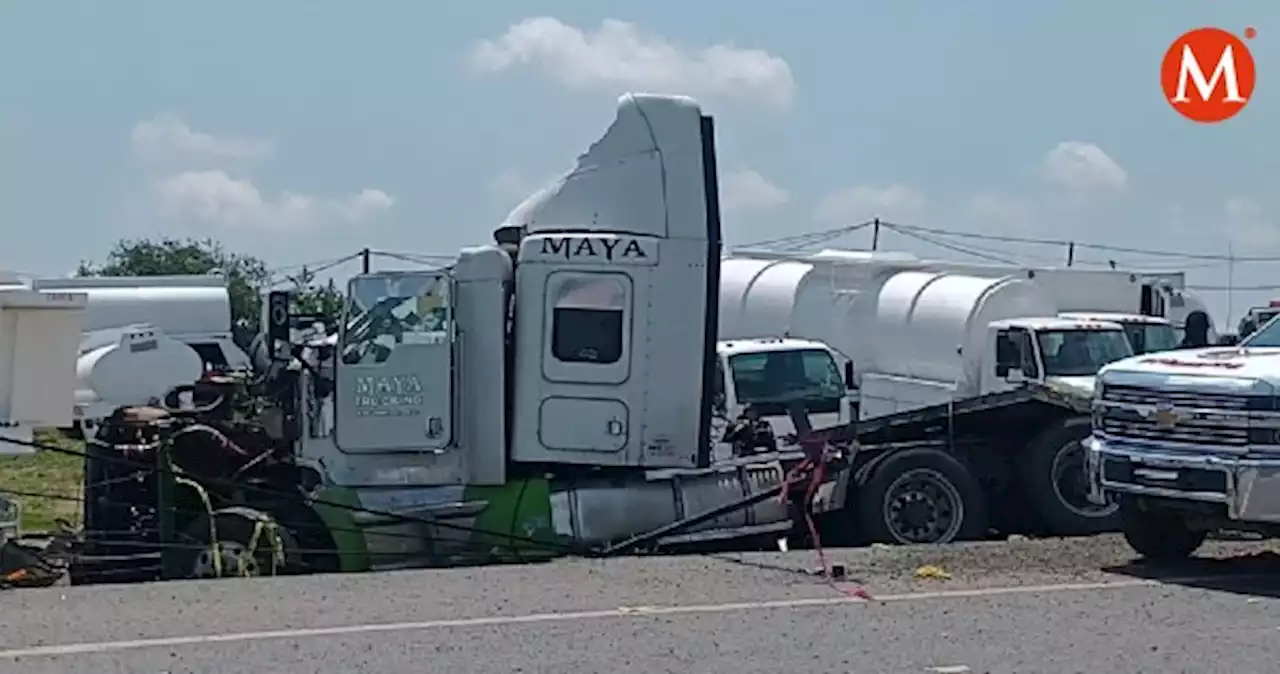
(1248, 487)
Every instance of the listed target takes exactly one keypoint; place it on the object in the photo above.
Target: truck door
(1015, 351)
(1027, 354)
(587, 353)
(395, 376)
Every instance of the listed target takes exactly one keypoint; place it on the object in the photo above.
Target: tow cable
(814, 445)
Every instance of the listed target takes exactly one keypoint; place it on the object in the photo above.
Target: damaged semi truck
(561, 390)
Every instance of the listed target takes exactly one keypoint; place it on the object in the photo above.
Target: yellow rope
(213, 521)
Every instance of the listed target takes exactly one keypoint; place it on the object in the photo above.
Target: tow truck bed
(923, 422)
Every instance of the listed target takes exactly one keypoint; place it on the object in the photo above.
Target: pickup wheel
(1159, 535)
(920, 496)
(1053, 473)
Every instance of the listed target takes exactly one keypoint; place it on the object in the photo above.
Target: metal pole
(875, 234)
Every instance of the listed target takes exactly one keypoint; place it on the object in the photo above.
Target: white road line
(632, 612)
(950, 669)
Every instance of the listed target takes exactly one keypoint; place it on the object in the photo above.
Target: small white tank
(131, 366)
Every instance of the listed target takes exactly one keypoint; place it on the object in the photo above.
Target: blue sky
(301, 130)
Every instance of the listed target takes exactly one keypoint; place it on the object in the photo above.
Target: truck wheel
(1159, 535)
(1057, 486)
(246, 546)
(921, 496)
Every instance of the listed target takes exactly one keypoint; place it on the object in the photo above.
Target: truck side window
(588, 321)
(1006, 354)
(719, 395)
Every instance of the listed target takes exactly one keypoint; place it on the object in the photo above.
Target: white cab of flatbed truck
(770, 373)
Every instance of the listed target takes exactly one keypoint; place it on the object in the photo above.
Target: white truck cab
(1060, 352)
(1146, 334)
(770, 374)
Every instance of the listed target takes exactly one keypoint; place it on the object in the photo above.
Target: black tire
(950, 505)
(1160, 536)
(242, 556)
(1058, 496)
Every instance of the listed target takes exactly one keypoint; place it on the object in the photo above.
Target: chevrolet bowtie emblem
(1166, 417)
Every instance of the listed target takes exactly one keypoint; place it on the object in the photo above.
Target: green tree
(311, 298)
(246, 275)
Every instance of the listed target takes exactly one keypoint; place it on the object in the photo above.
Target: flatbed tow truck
(553, 393)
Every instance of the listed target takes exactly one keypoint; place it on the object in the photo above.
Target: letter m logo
(1190, 72)
(1208, 75)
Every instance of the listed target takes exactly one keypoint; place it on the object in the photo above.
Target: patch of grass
(53, 473)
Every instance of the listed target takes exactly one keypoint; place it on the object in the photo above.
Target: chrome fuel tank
(595, 512)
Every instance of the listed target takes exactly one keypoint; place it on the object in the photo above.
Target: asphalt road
(1022, 607)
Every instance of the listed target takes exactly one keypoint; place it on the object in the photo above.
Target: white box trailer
(39, 339)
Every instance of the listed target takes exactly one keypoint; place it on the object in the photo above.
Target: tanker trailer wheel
(1161, 536)
(1053, 474)
(921, 496)
(249, 544)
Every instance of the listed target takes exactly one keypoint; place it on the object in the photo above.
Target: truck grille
(1202, 418)
(1137, 395)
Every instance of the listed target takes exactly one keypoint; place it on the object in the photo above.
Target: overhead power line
(824, 236)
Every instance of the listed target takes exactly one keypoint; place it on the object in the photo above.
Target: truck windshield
(385, 312)
(1078, 353)
(1268, 336)
(773, 377)
(1149, 338)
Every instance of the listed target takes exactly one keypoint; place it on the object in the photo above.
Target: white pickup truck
(1188, 442)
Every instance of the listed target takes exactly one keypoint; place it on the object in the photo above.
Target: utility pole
(1071, 253)
(364, 261)
(875, 234)
(1231, 279)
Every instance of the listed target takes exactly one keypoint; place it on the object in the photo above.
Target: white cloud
(1003, 212)
(620, 56)
(864, 202)
(746, 190)
(215, 198)
(1084, 167)
(1248, 224)
(167, 137)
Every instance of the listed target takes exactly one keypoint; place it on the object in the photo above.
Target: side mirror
(848, 375)
(718, 405)
(278, 323)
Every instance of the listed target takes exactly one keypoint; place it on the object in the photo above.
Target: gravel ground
(1023, 606)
